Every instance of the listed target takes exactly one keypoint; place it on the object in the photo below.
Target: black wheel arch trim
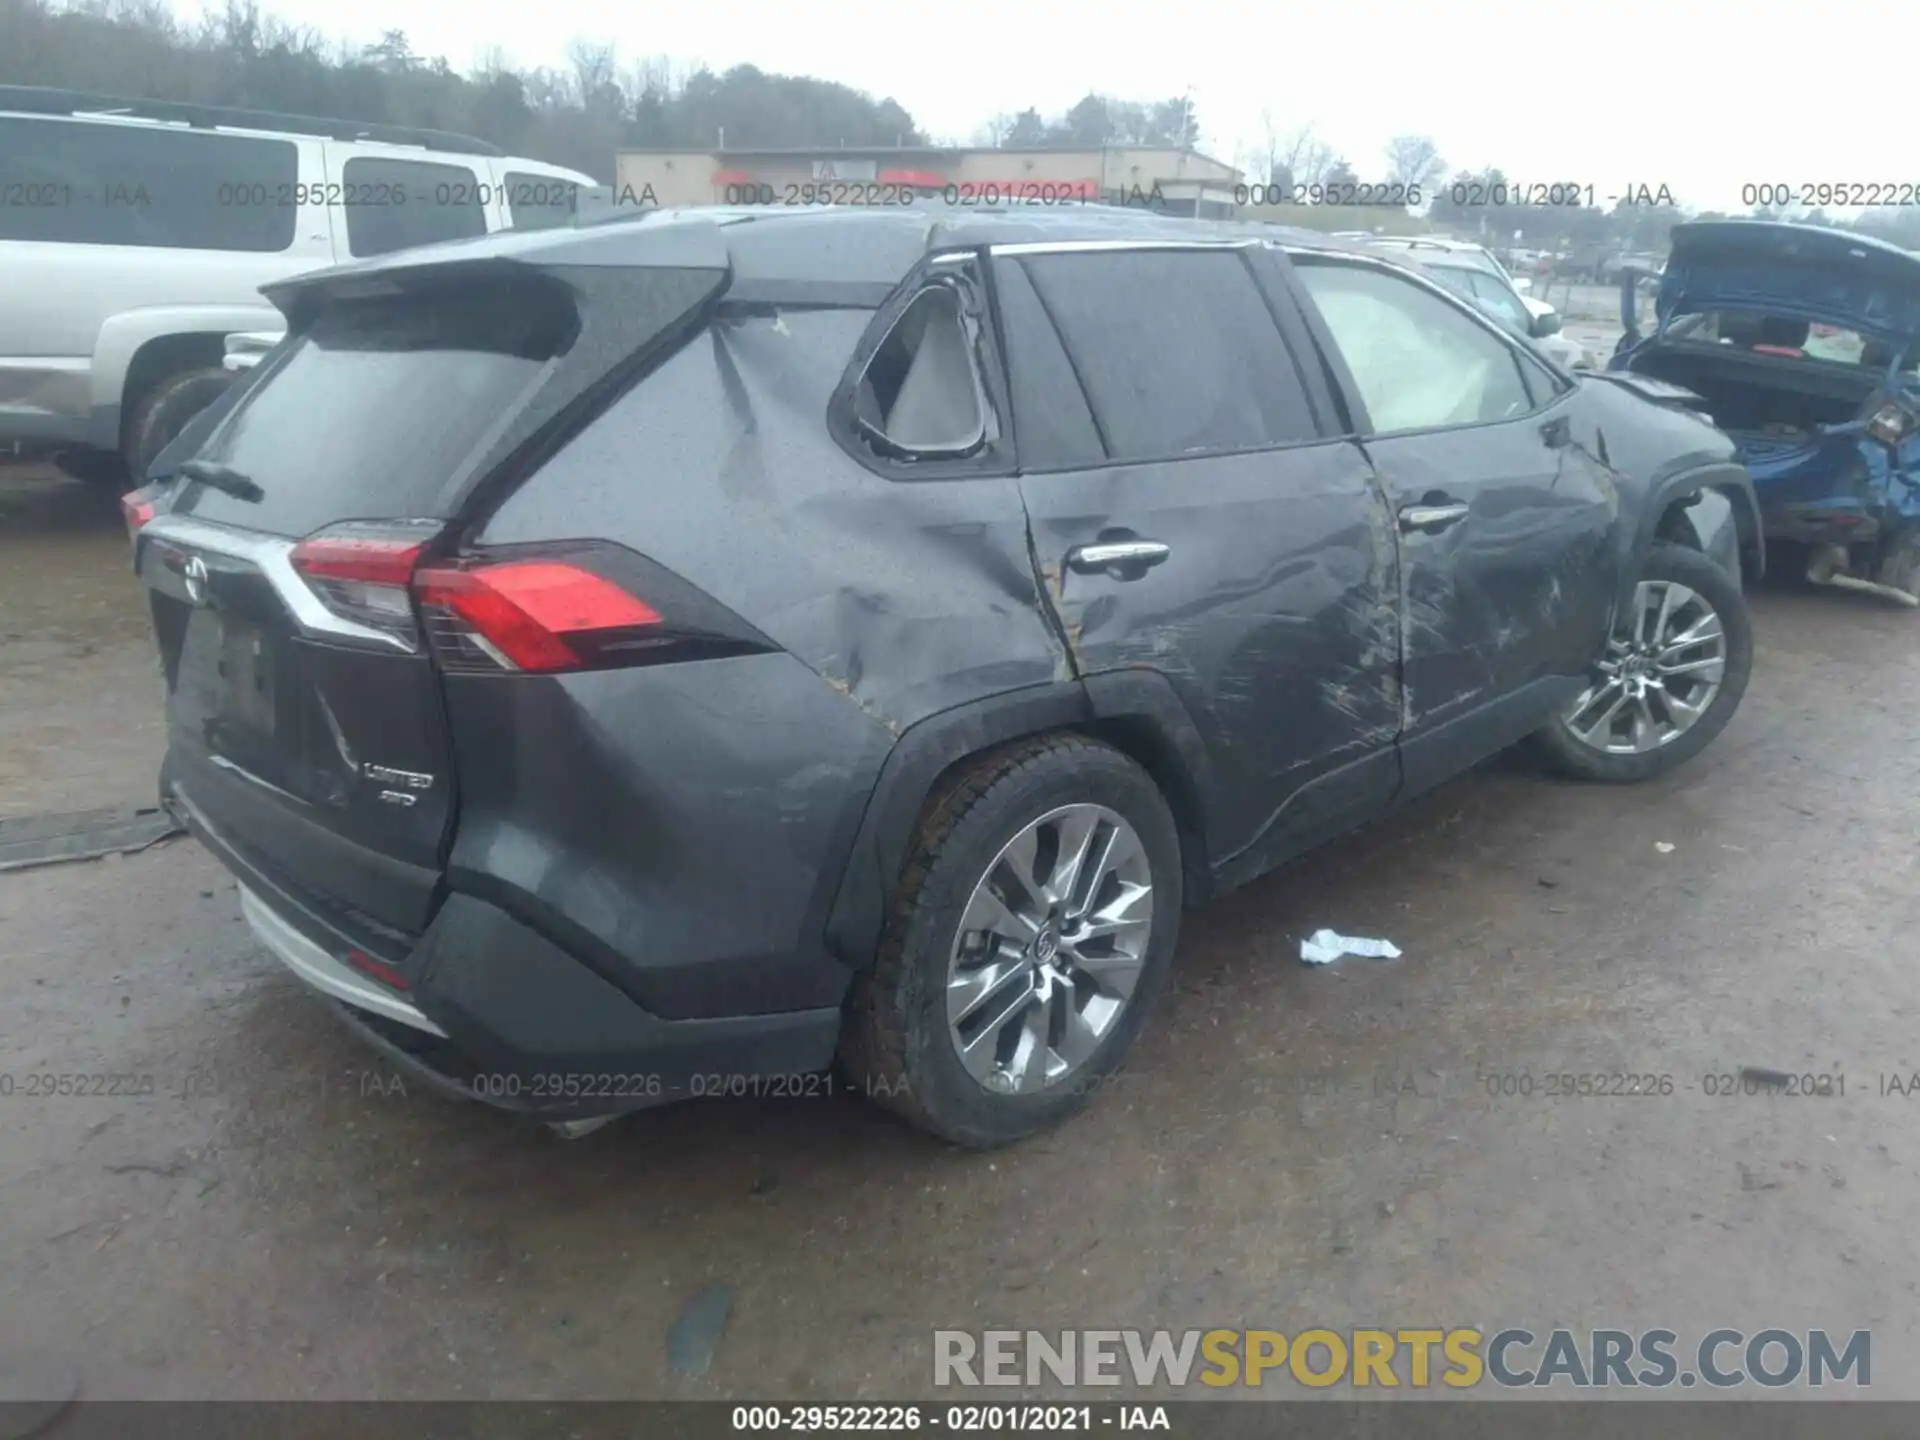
(1729, 479)
(1133, 709)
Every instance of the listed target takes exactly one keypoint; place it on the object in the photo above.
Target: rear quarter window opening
(920, 395)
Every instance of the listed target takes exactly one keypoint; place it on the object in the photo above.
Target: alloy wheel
(1049, 949)
(1658, 675)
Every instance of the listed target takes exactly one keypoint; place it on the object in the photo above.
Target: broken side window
(920, 393)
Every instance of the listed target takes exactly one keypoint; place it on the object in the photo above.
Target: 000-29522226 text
(949, 1419)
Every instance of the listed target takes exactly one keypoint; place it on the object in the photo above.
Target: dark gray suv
(655, 658)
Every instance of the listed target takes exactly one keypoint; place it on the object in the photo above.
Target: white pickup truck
(135, 236)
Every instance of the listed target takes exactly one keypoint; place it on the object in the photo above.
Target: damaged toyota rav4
(673, 655)
(1801, 343)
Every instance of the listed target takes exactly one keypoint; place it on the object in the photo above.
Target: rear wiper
(221, 477)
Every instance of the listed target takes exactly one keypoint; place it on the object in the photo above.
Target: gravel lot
(282, 1217)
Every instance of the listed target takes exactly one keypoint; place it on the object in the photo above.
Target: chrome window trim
(272, 556)
(1080, 247)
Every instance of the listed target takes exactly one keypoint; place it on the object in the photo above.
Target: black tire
(102, 468)
(1569, 756)
(896, 1045)
(163, 412)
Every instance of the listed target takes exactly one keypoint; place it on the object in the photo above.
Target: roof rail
(37, 100)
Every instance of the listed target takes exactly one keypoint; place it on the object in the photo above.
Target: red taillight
(360, 572)
(379, 970)
(368, 561)
(136, 512)
(541, 615)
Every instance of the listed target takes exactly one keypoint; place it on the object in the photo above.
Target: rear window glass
(1784, 336)
(1176, 349)
(540, 202)
(377, 406)
(92, 183)
(394, 204)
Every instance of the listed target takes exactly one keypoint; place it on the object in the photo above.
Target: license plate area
(246, 669)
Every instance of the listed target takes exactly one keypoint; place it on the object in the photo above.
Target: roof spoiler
(506, 257)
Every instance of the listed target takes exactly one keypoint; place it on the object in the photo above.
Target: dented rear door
(1188, 517)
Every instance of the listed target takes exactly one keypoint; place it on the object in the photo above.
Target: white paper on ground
(1323, 947)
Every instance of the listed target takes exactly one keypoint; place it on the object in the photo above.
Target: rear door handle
(1431, 518)
(1122, 559)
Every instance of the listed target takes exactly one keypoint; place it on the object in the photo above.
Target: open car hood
(1801, 271)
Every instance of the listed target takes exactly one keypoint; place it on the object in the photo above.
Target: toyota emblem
(194, 573)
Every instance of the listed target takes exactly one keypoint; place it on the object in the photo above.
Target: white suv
(1478, 254)
(135, 236)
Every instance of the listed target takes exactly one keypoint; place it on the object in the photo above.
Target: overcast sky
(1703, 97)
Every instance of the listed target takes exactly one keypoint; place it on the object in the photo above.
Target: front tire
(1030, 932)
(1668, 680)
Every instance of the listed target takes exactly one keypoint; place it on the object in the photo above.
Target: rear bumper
(500, 1014)
(1831, 490)
(314, 963)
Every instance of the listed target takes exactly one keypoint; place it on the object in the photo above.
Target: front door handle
(1121, 559)
(1431, 519)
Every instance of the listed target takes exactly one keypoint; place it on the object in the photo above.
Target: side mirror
(1545, 325)
(1522, 284)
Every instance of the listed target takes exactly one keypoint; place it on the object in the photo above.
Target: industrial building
(1178, 181)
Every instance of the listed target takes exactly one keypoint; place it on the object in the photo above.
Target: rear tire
(984, 1033)
(163, 412)
(1671, 677)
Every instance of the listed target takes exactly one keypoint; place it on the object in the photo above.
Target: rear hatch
(307, 733)
(1823, 276)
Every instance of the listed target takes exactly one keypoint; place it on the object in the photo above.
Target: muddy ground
(1290, 1147)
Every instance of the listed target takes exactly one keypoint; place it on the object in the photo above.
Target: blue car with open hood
(1801, 343)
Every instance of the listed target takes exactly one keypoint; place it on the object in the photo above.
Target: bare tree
(1414, 160)
(153, 16)
(275, 34)
(994, 132)
(391, 52)
(657, 76)
(1302, 155)
(491, 62)
(238, 28)
(596, 72)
